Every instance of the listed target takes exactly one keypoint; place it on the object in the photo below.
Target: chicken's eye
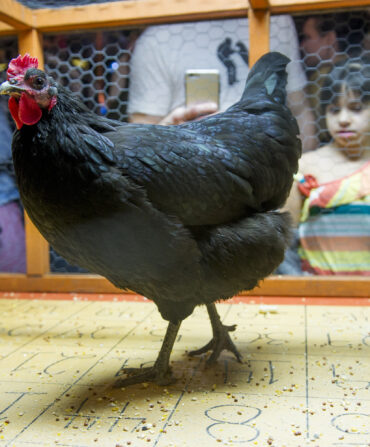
(38, 83)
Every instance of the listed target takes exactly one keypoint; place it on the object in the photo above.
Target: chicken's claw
(219, 342)
(221, 339)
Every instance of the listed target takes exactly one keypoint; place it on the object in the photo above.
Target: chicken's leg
(221, 338)
(160, 372)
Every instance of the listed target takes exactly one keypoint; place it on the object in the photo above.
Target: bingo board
(305, 379)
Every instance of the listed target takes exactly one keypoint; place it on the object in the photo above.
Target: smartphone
(202, 85)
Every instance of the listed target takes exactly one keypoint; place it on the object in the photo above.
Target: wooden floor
(305, 380)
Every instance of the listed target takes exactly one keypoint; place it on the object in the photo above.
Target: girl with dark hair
(330, 201)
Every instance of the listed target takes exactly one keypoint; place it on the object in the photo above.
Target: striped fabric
(334, 229)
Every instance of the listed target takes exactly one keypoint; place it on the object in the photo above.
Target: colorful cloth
(12, 241)
(334, 228)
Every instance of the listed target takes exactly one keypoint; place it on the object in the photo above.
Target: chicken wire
(353, 40)
(8, 50)
(95, 66)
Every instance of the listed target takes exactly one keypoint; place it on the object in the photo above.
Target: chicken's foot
(160, 372)
(221, 338)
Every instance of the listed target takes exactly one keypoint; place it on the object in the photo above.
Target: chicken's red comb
(20, 65)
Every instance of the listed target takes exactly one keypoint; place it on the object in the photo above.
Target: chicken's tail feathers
(268, 75)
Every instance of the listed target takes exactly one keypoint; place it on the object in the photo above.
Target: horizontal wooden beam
(319, 286)
(259, 4)
(289, 6)
(273, 286)
(6, 30)
(133, 12)
(15, 15)
(56, 283)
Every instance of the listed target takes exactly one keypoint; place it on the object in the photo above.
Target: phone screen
(202, 86)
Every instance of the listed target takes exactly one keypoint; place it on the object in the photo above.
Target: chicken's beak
(6, 88)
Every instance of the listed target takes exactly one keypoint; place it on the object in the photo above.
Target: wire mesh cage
(8, 50)
(325, 39)
(141, 73)
(94, 66)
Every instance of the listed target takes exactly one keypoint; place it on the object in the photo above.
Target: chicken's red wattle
(24, 111)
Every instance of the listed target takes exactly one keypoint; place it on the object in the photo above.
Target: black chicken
(185, 215)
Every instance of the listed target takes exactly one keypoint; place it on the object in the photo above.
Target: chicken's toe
(155, 374)
(160, 372)
(221, 340)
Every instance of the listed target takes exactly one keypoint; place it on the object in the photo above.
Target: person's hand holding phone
(189, 113)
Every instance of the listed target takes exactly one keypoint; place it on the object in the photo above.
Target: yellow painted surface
(15, 15)
(305, 378)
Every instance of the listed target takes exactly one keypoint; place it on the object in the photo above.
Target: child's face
(348, 121)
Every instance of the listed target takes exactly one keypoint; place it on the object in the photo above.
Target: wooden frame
(29, 25)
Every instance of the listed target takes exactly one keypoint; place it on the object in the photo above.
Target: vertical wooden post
(37, 249)
(30, 41)
(259, 33)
